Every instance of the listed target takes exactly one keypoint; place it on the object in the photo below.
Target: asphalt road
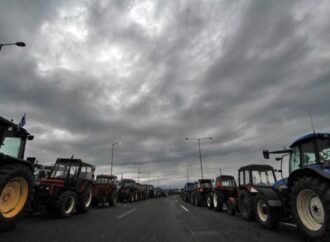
(166, 219)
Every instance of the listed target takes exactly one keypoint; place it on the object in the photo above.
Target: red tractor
(68, 188)
(105, 190)
(252, 179)
(225, 188)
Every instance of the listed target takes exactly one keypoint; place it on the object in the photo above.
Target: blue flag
(22, 122)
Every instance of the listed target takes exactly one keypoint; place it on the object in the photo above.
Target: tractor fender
(315, 171)
(271, 196)
(6, 159)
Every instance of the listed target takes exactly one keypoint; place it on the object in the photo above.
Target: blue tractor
(304, 196)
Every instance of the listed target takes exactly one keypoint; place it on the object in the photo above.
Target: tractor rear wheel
(209, 201)
(264, 215)
(217, 201)
(246, 205)
(198, 199)
(65, 204)
(310, 199)
(85, 200)
(113, 197)
(15, 194)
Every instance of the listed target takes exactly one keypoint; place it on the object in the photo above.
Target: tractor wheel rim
(89, 199)
(69, 205)
(310, 209)
(261, 209)
(215, 200)
(209, 202)
(13, 197)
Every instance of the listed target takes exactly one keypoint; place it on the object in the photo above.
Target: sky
(149, 74)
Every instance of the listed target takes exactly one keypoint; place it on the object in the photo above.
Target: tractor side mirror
(30, 137)
(31, 159)
(278, 170)
(266, 154)
(278, 158)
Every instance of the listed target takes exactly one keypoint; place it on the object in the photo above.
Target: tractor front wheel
(264, 215)
(231, 206)
(310, 199)
(209, 201)
(246, 205)
(15, 194)
(113, 198)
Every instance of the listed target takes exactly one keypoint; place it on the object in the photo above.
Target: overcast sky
(150, 73)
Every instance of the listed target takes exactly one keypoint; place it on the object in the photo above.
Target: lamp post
(199, 147)
(113, 145)
(20, 44)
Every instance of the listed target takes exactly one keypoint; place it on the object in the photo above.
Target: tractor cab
(12, 139)
(252, 176)
(106, 179)
(310, 150)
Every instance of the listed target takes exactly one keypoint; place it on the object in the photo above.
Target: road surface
(166, 219)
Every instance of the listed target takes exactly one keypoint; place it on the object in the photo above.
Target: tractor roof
(309, 137)
(225, 177)
(5, 123)
(256, 167)
(67, 160)
(106, 176)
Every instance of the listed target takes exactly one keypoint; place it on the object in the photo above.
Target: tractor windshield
(61, 170)
(228, 182)
(102, 180)
(127, 184)
(263, 177)
(11, 146)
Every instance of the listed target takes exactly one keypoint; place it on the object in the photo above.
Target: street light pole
(20, 44)
(199, 148)
(113, 145)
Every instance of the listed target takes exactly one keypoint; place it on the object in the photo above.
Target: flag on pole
(22, 122)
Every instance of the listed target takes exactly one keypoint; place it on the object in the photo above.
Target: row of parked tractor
(303, 197)
(66, 187)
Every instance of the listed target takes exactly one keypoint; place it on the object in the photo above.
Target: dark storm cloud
(150, 73)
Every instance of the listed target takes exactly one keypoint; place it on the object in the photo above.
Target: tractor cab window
(247, 177)
(241, 178)
(308, 154)
(324, 149)
(102, 180)
(227, 182)
(11, 146)
(295, 159)
(263, 177)
(61, 170)
(85, 173)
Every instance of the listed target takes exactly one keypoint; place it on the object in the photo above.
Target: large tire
(246, 205)
(198, 199)
(264, 215)
(192, 199)
(100, 201)
(113, 197)
(209, 201)
(85, 200)
(15, 194)
(131, 197)
(310, 200)
(65, 204)
(217, 201)
(231, 207)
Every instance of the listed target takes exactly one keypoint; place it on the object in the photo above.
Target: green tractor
(16, 179)
(304, 196)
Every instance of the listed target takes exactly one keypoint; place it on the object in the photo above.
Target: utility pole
(199, 148)
(158, 182)
(187, 170)
(138, 172)
(220, 172)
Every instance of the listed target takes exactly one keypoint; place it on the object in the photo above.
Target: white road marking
(127, 213)
(289, 224)
(186, 209)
